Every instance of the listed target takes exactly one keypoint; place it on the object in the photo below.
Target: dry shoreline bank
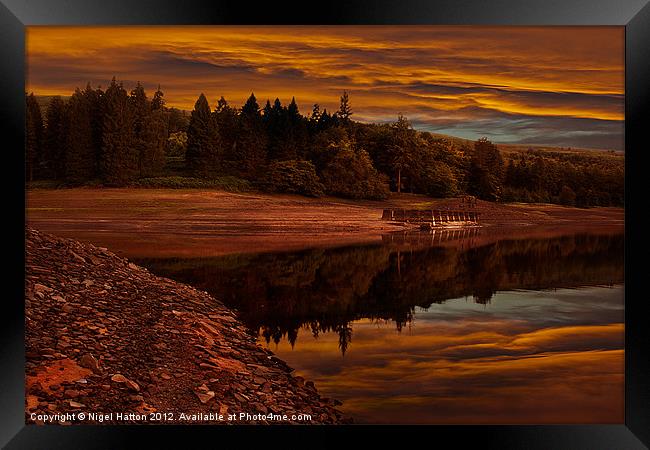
(106, 336)
(192, 222)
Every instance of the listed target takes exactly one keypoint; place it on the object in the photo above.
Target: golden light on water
(470, 370)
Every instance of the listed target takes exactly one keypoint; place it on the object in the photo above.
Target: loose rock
(88, 361)
(149, 331)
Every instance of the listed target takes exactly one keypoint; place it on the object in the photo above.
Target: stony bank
(106, 336)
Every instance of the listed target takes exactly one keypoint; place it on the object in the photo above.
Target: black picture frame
(633, 14)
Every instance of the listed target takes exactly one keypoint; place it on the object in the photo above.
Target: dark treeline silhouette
(118, 137)
(326, 289)
(565, 178)
(114, 136)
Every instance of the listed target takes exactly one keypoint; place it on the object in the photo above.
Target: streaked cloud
(547, 85)
(527, 357)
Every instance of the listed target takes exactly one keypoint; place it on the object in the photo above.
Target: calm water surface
(439, 328)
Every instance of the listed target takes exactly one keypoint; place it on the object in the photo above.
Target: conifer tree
(251, 142)
(95, 100)
(315, 112)
(204, 153)
(312, 121)
(345, 111)
(325, 120)
(157, 102)
(292, 110)
(159, 133)
(120, 154)
(222, 104)
(154, 138)
(228, 125)
(295, 134)
(251, 108)
(140, 107)
(55, 139)
(267, 111)
(33, 136)
(150, 128)
(277, 107)
(274, 120)
(80, 151)
(286, 132)
(402, 149)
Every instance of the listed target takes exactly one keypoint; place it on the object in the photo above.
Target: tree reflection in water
(325, 290)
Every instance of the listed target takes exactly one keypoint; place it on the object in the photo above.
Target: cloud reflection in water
(527, 357)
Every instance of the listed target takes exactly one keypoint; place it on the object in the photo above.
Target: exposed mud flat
(184, 223)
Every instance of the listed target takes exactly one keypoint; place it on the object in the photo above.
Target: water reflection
(325, 290)
(440, 327)
(529, 357)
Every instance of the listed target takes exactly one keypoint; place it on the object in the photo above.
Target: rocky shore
(109, 342)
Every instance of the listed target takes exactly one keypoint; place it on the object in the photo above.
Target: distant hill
(519, 148)
(507, 149)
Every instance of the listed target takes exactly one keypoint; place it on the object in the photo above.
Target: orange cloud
(442, 76)
(441, 373)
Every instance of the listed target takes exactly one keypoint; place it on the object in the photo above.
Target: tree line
(111, 135)
(565, 178)
(120, 137)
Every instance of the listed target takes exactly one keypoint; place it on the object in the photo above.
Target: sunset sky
(559, 86)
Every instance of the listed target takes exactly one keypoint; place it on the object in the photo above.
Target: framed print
(408, 217)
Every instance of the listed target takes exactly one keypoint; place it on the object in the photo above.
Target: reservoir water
(439, 327)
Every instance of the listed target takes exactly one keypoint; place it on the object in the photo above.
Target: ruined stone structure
(432, 217)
